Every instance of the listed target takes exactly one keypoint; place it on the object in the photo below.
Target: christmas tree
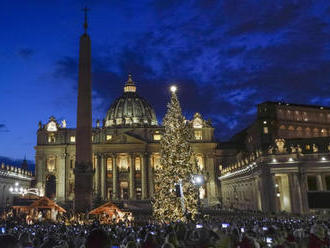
(177, 168)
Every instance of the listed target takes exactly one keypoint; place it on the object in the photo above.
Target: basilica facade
(125, 152)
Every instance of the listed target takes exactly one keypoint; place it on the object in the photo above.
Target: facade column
(67, 175)
(319, 183)
(98, 174)
(132, 177)
(102, 174)
(60, 177)
(114, 177)
(268, 195)
(144, 176)
(95, 174)
(259, 194)
(275, 202)
(295, 193)
(40, 167)
(302, 180)
(210, 185)
(150, 177)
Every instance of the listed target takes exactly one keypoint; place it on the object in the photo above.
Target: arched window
(51, 163)
(282, 127)
(156, 161)
(299, 131)
(123, 163)
(324, 132)
(137, 163)
(198, 134)
(291, 131)
(51, 138)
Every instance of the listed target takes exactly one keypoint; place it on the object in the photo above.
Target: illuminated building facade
(281, 162)
(125, 151)
(12, 181)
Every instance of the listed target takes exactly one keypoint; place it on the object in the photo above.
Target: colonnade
(111, 180)
(272, 192)
(106, 179)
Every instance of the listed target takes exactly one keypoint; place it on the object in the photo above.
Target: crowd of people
(226, 230)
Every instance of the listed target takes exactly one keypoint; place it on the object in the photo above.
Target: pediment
(127, 139)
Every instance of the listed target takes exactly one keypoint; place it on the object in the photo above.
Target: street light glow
(198, 180)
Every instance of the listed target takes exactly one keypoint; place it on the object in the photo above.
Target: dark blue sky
(225, 57)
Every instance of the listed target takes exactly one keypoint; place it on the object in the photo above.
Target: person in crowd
(229, 229)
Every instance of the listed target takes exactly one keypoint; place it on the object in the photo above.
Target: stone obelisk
(83, 167)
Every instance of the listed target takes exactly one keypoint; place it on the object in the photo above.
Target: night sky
(225, 57)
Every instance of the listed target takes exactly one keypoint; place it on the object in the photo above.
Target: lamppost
(17, 189)
(198, 181)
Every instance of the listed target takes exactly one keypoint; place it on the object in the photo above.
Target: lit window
(138, 193)
(51, 164)
(109, 164)
(51, 138)
(129, 88)
(265, 130)
(123, 163)
(137, 164)
(308, 147)
(92, 138)
(109, 137)
(119, 121)
(128, 121)
(198, 134)
(157, 135)
(72, 139)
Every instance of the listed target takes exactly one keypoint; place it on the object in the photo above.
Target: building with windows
(125, 149)
(281, 162)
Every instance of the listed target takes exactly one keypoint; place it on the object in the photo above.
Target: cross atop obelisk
(85, 14)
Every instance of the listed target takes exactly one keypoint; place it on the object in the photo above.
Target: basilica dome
(130, 109)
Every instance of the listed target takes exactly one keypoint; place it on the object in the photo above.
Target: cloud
(66, 67)
(224, 59)
(26, 53)
(3, 128)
